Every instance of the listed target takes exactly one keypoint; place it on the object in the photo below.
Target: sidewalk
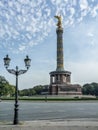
(52, 125)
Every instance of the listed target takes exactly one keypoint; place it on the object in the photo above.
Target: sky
(28, 27)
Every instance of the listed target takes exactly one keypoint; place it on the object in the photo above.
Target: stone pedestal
(57, 79)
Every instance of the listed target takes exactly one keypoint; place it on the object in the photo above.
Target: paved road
(49, 110)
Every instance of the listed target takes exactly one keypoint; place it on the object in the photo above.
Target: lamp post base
(16, 121)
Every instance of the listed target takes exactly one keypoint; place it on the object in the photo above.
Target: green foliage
(5, 88)
(27, 92)
(37, 90)
(3, 80)
(90, 89)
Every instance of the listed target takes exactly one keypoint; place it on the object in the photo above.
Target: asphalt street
(30, 111)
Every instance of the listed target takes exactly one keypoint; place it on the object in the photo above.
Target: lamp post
(16, 72)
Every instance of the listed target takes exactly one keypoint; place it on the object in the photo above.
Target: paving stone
(49, 125)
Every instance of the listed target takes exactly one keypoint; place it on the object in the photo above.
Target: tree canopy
(37, 90)
(5, 88)
(90, 89)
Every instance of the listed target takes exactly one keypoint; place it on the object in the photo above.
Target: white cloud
(21, 48)
(28, 36)
(83, 4)
(90, 34)
(32, 21)
(48, 11)
(80, 19)
(74, 2)
(84, 13)
(10, 3)
(57, 2)
(72, 10)
(94, 11)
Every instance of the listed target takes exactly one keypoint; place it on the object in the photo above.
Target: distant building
(60, 80)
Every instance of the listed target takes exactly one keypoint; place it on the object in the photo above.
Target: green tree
(95, 88)
(37, 90)
(27, 92)
(90, 89)
(5, 88)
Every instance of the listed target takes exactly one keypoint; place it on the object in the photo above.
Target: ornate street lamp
(16, 73)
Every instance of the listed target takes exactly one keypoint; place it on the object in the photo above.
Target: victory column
(60, 80)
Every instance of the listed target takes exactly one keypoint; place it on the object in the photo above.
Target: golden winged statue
(59, 24)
